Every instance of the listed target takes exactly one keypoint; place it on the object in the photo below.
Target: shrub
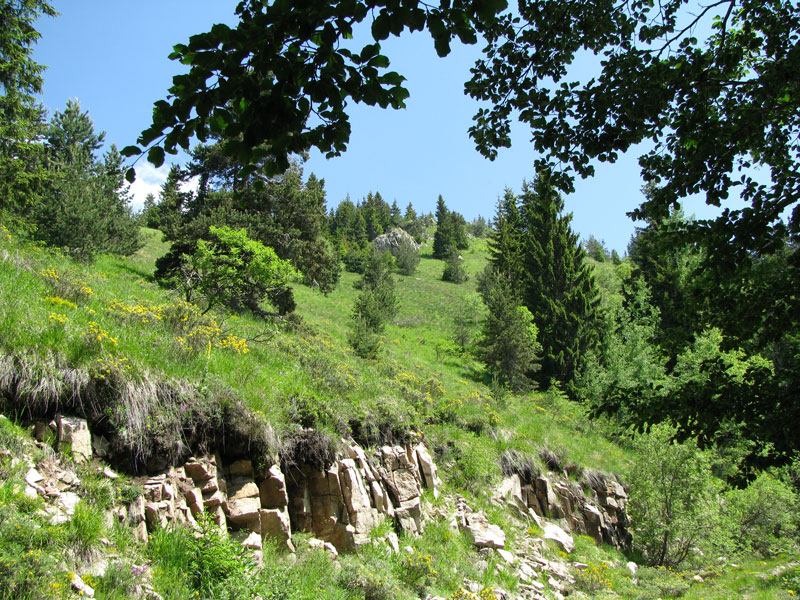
(673, 497)
(407, 256)
(454, 269)
(363, 339)
(233, 270)
(763, 516)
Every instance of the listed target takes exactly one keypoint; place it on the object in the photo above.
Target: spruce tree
(505, 241)
(556, 283)
(442, 238)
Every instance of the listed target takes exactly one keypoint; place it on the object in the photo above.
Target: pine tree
(85, 206)
(556, 283)
(505, 241)
(451, 231)
(22, 120)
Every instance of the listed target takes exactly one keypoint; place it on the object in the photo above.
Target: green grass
(290, 376)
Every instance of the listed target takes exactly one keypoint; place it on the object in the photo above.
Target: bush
(233, 270)
(453, 269)
(363, 339)
(407, 257)
(763, 516)
(673, 498)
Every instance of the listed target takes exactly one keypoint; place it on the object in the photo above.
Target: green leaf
(380, 27)
(156, 156)
(130, 175)
(131, 151)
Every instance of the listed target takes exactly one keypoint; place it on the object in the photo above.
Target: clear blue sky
(112, 56)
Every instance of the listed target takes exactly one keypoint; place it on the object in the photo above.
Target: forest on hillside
(685, 347)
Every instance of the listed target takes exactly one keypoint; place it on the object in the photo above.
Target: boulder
(484, 534)
(275, 525)
(394, 240)
(558, 535)
(428, 469)
(356, 498)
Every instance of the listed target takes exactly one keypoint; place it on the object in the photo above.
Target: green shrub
(673, 498)
(763, 516)
(85, 528)
(407, 257)
(454, 269)
(233, 270)
(363, 339)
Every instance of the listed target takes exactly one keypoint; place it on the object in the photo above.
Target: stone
(40, 431)
(68, 501)
(275, 525)
(136, 510)
(243, 488)
(428, 469)
(325, 546)
(506, 556)
(632, 567)
(83, 588)
(33, 477)
(510, 491)
(250, 540)
(98, 568)
(107, 472)
(193, 496)
(558, 535)
(393, 541)
(273, 489)
(356, 498)
(484, 534)
(201, 469)
(241, 468)
(75, 432)
(245, 513)
(393, 240)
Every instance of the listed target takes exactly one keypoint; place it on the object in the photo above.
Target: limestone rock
(558, 535)
(275, 525)
(356, 498)
(80, 586)
(428, 469)
(484, 534)
(394, 240)
(75, 432)
(273, 489)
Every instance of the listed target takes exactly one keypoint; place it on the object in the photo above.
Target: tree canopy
(713, 105)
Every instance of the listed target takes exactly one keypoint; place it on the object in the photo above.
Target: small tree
(673, 497)
(375, 305)
(233, 270)
(407, 257)
(508, 345)
(454, 269)
(466, 319)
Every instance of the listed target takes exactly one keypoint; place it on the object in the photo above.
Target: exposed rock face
(339, 504)
(601, 516)
(394, 240)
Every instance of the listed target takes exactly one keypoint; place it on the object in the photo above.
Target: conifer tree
(22, 119)
(556, 284)
(505, 245)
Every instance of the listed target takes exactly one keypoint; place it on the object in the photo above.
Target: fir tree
(505, 241)
(556, 283)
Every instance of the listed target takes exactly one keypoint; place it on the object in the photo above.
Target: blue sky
(112, 57)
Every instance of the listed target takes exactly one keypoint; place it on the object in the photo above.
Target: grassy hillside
(105, 339)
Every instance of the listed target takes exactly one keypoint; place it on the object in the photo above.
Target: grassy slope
(310, 375)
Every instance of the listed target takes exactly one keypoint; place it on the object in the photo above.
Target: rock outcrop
(601, 515)
(394, 240)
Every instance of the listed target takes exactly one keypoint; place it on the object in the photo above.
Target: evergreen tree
(556, 283)
(453, 268)
(508, 344)
(22, 173)
(505, 241)
(451, 231)
(86, 206)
